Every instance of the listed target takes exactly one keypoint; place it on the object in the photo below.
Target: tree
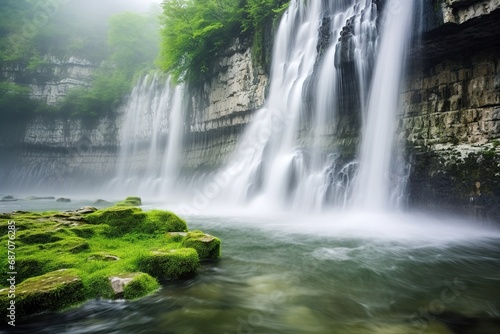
(194, 31)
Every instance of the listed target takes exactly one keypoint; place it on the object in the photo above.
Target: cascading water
(288, 155)
(151, 138)
(277, 167)
(372, 184)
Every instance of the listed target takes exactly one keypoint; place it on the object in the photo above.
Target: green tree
(194, 31)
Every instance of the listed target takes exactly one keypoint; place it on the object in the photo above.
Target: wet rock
(50, 292)
(173, 264)
(133, 285)
(206, 245)
(118, 284)
(86, 209)
(63, 200)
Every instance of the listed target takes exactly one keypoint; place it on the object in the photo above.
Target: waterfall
(377, 148)
(151, 138)
(332, 73)
(286, 157)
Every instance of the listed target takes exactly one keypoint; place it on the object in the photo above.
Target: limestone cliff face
(222, 105)
(48, 154)
(52, 80)
(451, 109)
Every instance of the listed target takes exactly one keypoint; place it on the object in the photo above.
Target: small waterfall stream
(372, 184)
(151, 138)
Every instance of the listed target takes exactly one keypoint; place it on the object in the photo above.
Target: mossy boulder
(173, 264)
(122, 220)
(133, 285)
(50, 292)
(130, 201)
(206, 245)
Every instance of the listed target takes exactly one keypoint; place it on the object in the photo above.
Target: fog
(105, 8)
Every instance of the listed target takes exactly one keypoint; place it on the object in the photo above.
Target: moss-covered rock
(130, 201)
(141, 285)
(92, 247)
(173, 264)
(133, 285)
(206, 245)
(122, 220)
(50, 292)
(69, 245)
(39, 237)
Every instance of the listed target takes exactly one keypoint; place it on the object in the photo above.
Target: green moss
(123, 220)
(207, 246)
(50, 292)
(140, 286)
(68, 245)
(86, 231)
(106, 243)
(165, 221)
(178, 263)
(37, 237)
(130, 201)
(97, 285)
(29, 267)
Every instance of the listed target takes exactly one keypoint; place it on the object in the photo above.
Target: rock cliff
(221, 106)
(451, 108)
(52, 79)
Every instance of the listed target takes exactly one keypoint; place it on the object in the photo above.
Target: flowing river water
(332, 273)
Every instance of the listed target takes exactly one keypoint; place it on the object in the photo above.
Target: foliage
(106, 92)
(259, 15)
(31, 30)
(195, 31)
(15, 100)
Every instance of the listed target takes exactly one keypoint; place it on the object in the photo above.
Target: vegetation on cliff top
(63, 258)
(120, 44)
(196, 31)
